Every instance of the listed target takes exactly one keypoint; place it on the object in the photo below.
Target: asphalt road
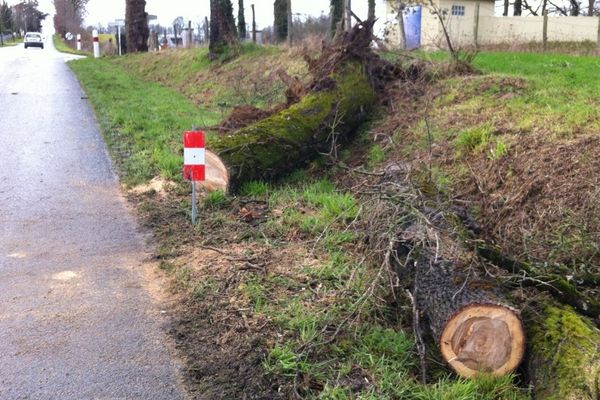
(77, 320)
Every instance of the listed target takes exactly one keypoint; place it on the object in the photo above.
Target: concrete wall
(498, 30)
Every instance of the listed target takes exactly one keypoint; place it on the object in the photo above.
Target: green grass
(143, 122)
(63, 47)
(373, 354)
(10, 42)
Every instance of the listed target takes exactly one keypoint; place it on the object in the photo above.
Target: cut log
(477, 330)
(287, 140)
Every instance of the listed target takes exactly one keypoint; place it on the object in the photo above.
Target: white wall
(500, 30)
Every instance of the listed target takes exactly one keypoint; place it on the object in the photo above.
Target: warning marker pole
(194, 163)
(96, 44)
(78, 42)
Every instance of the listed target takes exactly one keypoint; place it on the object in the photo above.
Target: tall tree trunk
(241, 20)
(575, 8)
(253, 24)
(401, 28)
(337, 13)
(518, 7)
(222, 27)
(348, 15)
(506, 5)
(371, 14)
(280, 24)
(137, 26)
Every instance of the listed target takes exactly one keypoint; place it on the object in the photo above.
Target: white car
(33, 39)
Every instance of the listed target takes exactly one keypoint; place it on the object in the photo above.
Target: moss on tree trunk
(564, 355)
(287, 140)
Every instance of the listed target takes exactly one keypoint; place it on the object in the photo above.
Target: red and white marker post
(194, 162)
(96, 44)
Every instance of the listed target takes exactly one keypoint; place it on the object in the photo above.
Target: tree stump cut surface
(486, 338)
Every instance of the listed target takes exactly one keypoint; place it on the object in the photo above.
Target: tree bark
(241, 20)
(371, 13)
(280, 24)
(222, 27)
(253, 24)
(518, 8)
(137, 26)
(337, 14)
(287, 140)
(505, 9)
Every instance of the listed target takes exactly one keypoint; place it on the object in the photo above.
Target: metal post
(119, 34)
(194, 206)
(545, 31)
(476, 27)
(96, 44)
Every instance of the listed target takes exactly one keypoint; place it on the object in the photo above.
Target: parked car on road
(34, 39)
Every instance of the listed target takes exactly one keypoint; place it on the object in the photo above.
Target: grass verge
(63, 47)
(278, 297)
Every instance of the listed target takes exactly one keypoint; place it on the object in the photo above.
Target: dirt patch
(157, 185)
(542, 200)
(242, 116)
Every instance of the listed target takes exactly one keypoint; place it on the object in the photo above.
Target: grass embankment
(12, 42)
(520, 147)
(63, 47)
(278, 296)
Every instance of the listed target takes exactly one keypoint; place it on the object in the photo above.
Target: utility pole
(545, 31)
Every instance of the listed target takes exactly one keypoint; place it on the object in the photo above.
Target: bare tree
(222, 27)
(241, 20)
(137, 26)
(398, 6)
(337, 14)
(280, 23)
(518, 8)
(371, 14)
(27, 16)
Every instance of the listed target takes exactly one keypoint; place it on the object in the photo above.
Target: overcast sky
(104, 11)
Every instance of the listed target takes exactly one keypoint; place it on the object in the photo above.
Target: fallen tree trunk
(346, 77)
(470, 319)
(278, 144)
(564, 354)
(476, 328)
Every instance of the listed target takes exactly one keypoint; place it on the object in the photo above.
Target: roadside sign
(194, 156)
(69, 36)
(194, 163)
